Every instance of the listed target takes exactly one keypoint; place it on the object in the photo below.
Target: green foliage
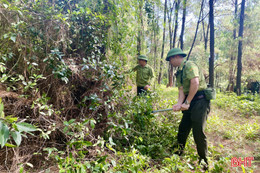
(78, 148)
(41, 39)
(172, 164)
(136, 141)
(131, 161)
(57, 65)
(246, 105)
(220, 165)
(4, 132)
(142, 129)
(42, 105)
(10, 129)
(152, 135)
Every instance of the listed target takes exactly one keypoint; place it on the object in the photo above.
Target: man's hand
(185, 107)
(147, 87)
(176, 107)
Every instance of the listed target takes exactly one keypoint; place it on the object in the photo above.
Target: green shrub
(131, 161)
(151, 134)
(246, 105)
(75, 158)
(12, 130)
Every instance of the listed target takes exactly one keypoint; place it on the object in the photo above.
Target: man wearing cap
(144, 75)
(192, 103)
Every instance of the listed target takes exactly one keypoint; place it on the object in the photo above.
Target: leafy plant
(57, 65)
(74, 160)
(131, 161)
(42, 105)
(10, 128)
(246, 105)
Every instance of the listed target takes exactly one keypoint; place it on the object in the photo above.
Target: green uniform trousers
(194, 118)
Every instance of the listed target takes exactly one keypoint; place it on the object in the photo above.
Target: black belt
(199, 95)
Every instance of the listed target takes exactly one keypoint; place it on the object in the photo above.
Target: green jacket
(190, 71)
(144, 75)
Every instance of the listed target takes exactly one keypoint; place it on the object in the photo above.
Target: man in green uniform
(144, 75)
(192, 102)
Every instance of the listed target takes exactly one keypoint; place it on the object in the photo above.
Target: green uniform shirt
(144, 75)
(190, 71)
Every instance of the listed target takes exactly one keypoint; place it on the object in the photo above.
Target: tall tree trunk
(196, 31)
(231, 82)
(155, 33)
(169, 15)
(139, 43)
(164, 26)
(177, 4)
(212, 42)
(105, 27)
(155, 48)
(170, 70)
(206, 38)
(235, 24)
(240, 47)
(140, 30)
(183, 24)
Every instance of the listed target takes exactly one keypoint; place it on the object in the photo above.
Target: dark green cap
(173, 52)
(143, 57)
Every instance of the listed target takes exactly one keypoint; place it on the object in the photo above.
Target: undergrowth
(65, 102)
(244, 105)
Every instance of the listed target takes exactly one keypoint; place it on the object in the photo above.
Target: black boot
(178, 149)
(205, 166)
